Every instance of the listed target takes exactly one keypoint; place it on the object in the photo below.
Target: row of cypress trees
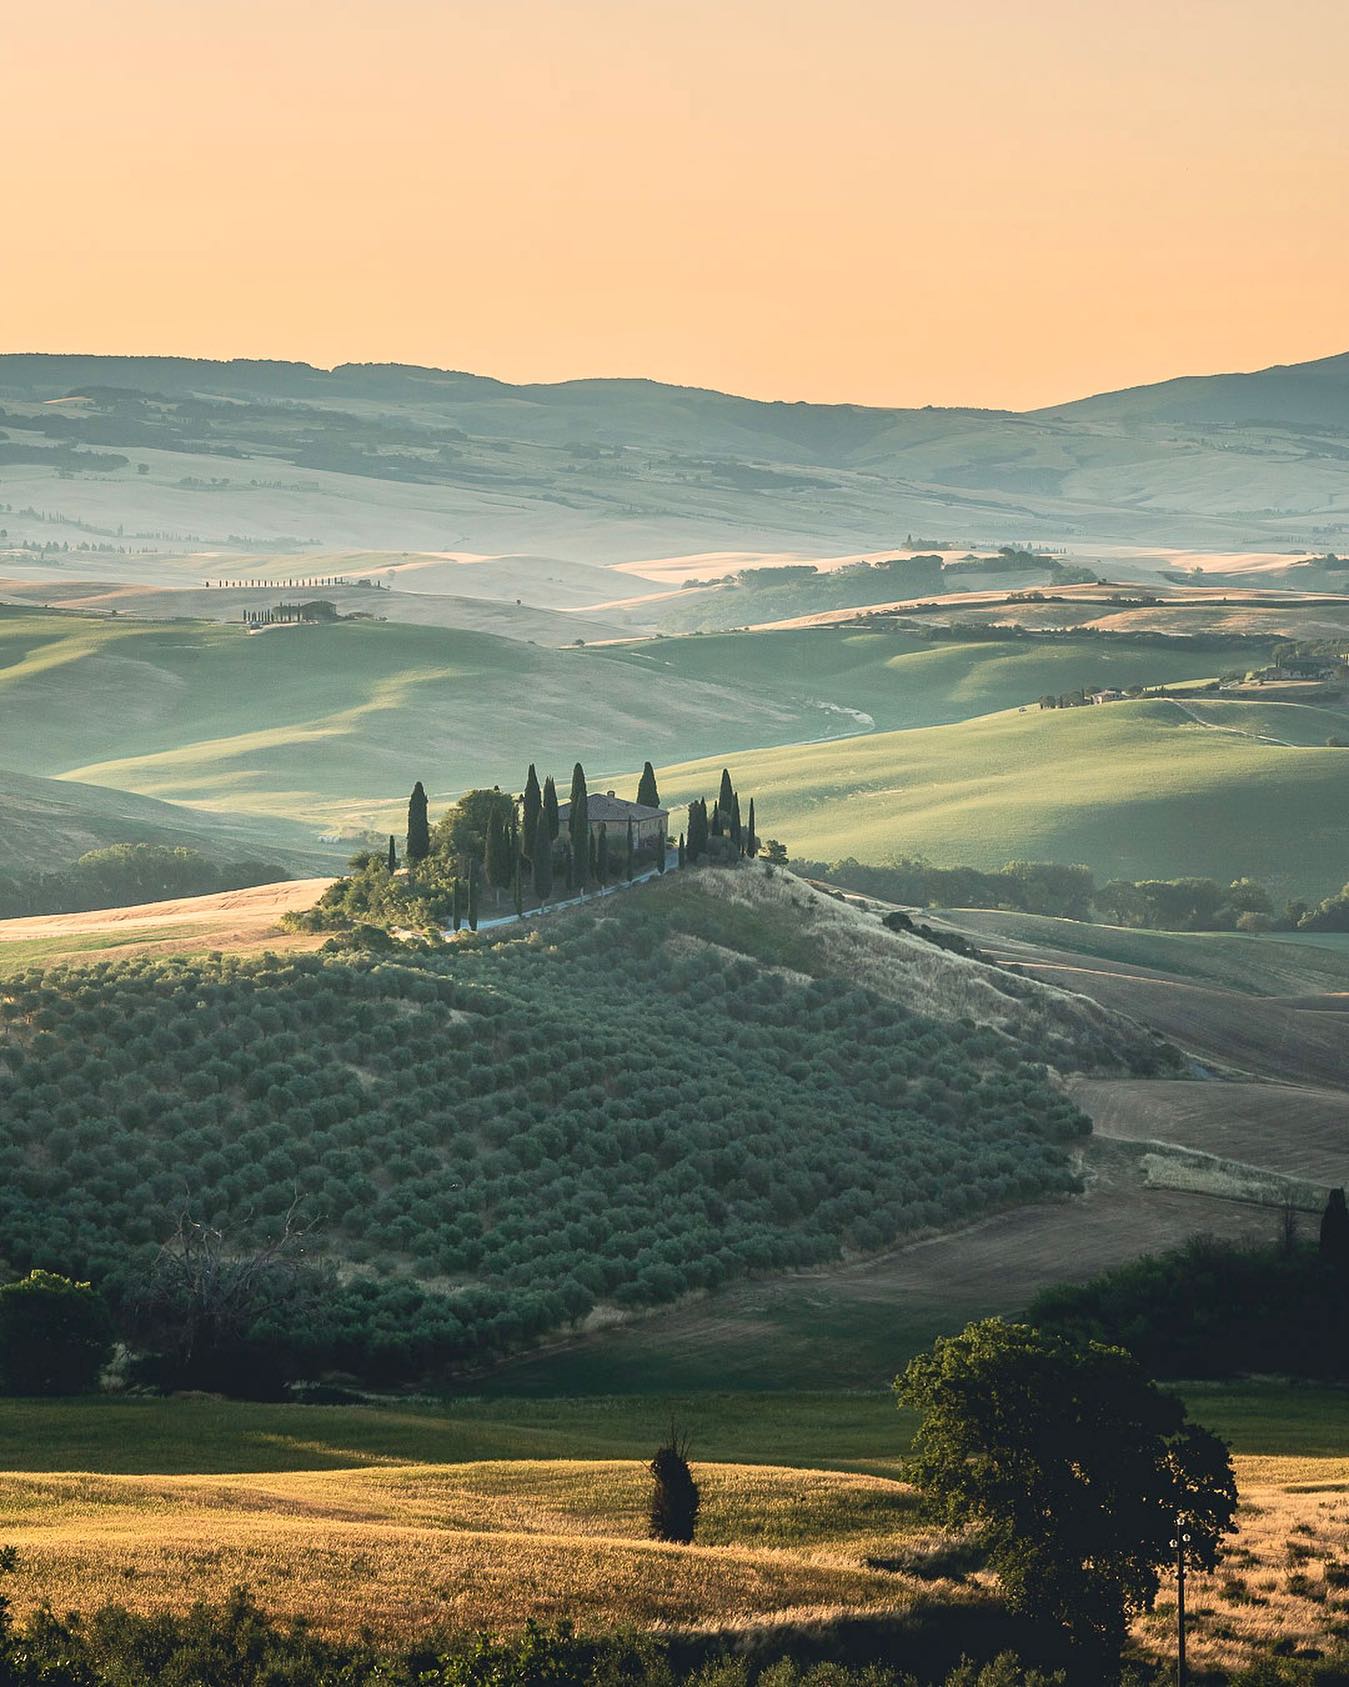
(723, 820)
(519, 845)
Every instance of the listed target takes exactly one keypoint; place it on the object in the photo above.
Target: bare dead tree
(208, 1289)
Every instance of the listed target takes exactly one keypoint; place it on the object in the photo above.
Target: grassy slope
(312, 721)
(903, 681)
(1132, 790)
(48, 823)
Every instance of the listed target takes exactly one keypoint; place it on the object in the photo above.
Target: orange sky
(1003, 202)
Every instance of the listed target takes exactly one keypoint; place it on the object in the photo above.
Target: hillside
(320, 724)
(55, 821)
(896, 678)
(889, 1086)
(240, 457)
(1132, 790)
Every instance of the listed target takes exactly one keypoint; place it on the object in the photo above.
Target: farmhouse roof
(609, 808)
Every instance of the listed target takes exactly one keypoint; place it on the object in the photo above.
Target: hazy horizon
(858, 203)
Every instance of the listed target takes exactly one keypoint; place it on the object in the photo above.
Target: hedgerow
(492, 1138)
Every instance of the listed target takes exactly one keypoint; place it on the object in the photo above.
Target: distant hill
(235, 456)
(1289, 394)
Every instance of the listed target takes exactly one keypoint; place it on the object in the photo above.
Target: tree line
(125, 874)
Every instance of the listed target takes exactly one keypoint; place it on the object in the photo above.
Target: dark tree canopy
(550, 807)
(531, 812)
(647, 791)
(674, 1493)
(419, 835)
(1075, 1468)
(1335, 1232)
(462, 831)
(579, 825)
(55, 1335)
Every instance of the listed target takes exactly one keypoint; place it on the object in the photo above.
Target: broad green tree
(1076, 1470)
(55, 1335)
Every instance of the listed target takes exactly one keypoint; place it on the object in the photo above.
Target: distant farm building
(650, 826)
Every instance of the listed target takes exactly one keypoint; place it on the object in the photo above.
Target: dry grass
(1284, 1580)
(484, 1545)
(403, 1550)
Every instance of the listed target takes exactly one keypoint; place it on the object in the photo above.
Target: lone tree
(674, 1493)
(751, 836)
(1335, 1232)
(579, 825)
(419, 832)
(646, 787)
(55, 1335)
(532, 807)
(1076, 1470)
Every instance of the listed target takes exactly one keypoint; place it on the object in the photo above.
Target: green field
(826, 1431)
(1131, 790)
(324, 722)
(1291, 963)
(900, 680)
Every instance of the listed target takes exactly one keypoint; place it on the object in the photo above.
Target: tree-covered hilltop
(491, 1138)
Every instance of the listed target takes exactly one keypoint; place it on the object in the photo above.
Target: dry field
(235, 920)
(397, 1552)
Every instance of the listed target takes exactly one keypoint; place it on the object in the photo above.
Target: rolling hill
(238, 453)
(49, 823)
(1132, 789)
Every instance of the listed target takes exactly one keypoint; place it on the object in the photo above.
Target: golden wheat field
(396, 1551)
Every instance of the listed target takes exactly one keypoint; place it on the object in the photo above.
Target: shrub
(674, 1493)
(55, 1335)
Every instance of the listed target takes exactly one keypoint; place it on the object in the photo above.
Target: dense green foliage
(608, 1111)
(126, 874)
(1074, 1468)
(1071, 893)
(55, 1335)
(1212, 1309)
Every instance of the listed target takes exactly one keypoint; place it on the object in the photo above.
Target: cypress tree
(627, 859)
(594, 869)
(473, 896)
(1335, 1232)
(419, 831)
(579, 825)
(751, 836)
(737, 832)
(517, 891)
(457, 903)
(543, 868)
(602, 855)
(715, 826)
(568, 866)
(697, 829)
(533, 808)
(550, 808)
(646, 787)
(725, 797)
(393, 854)
(681, 850)
(498, 863)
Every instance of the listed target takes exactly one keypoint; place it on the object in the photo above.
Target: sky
(987, 202)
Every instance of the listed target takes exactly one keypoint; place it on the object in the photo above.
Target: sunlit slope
(319, 723)
(1131, 789)
(901, 680)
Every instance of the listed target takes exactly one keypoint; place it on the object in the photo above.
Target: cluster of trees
(1215, 1309)
(492, 853)
(722, 833)
(1071, 893)
(126, 874)
(611, 1116)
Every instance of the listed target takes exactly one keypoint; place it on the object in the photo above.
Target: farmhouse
(649, 825)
